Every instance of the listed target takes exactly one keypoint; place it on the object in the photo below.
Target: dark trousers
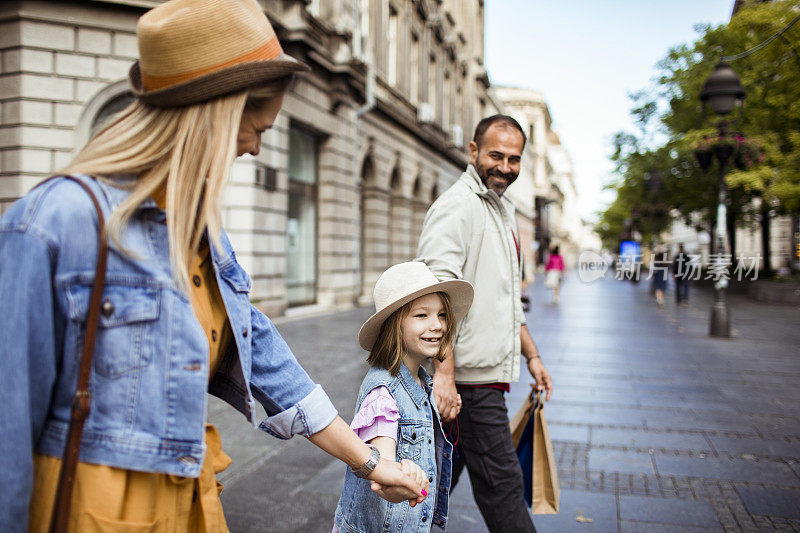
(485, 448)
(681, 290)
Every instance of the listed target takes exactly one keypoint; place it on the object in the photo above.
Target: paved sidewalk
(656, 426)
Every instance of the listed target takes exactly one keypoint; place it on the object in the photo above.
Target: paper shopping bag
(535, 452)
(521, 419)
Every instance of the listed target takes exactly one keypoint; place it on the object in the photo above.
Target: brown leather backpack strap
(81, 402)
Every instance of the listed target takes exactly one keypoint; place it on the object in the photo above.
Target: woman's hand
(388, 478)
(395, 482)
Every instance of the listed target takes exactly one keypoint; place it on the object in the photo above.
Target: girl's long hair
(387, 352)
(186, 152)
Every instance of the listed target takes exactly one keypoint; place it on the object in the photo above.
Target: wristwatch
(372, 461)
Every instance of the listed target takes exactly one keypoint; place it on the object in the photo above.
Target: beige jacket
(467, 235)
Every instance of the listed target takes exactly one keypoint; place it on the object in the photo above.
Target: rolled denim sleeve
(294, 403)
(310, 415)
(27, 364)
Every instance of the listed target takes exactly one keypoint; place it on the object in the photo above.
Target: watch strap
(372, 461)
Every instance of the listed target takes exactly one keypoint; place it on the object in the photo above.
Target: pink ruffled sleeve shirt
(378, 417)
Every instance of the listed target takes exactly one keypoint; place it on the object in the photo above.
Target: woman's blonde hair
(387, 352)
(186, 152)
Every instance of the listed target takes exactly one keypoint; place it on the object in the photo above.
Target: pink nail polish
(424, 492)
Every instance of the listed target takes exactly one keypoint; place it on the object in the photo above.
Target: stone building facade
(551, 196)
(364, 143)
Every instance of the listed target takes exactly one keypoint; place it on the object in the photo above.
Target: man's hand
(444, 388)
(396, 482)
(535, 365)
(541, 376)
(447, 399)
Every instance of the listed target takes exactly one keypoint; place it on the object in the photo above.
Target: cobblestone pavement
(655, 426)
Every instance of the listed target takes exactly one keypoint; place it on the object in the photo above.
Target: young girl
(395, 410)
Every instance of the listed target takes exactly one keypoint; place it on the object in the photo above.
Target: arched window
(111, 108)
(373, 213)
(399, 233)
(420, 208)
(101, 107)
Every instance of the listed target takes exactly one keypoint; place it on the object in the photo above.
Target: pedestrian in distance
(415, 321)
(681, 272)
(174, 319)
(470, 233)
(554, 272)
(660, 275)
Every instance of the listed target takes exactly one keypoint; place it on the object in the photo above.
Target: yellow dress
(108, 499)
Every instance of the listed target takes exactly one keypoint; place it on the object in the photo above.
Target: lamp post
(723, 92)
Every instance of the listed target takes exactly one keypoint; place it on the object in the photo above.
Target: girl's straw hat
(195, 50)
(405, 282)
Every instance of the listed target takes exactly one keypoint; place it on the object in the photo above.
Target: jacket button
(214, 335)
(430, 480)
(413, 435)
(196, 280)
(424, 518)
(429, 441)
(107, 308)
(244, 332)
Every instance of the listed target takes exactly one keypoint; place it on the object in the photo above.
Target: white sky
(585, 56)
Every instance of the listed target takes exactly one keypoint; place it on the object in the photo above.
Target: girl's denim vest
(420, 439)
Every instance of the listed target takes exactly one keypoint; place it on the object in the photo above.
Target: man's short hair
(486, 123)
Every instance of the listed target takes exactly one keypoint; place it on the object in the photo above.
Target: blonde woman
(175, 319)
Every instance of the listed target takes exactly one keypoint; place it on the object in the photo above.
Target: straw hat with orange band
(194, 50)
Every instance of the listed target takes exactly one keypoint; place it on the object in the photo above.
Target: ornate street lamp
(723, 92)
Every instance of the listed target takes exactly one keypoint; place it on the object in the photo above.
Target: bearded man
(470, 233)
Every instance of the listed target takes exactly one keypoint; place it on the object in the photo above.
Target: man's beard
(484, 175)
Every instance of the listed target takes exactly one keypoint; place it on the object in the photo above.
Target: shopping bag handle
(536, 399)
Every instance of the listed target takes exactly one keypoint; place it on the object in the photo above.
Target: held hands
(541, 376)
(412, 470)
(395, 482)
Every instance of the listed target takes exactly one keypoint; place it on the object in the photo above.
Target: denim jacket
(150, 368)
(420, 439)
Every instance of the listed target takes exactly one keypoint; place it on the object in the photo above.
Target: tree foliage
(671, 112)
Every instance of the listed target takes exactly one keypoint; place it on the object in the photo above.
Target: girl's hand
(392, 484)
(413, 470)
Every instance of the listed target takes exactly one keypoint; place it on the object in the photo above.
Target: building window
(531, 131)
(391, 70)
(447, 99)
(112, 99)
(432, 79)
(301, 223)
(109, 109)
(413, 64)
(363, 44)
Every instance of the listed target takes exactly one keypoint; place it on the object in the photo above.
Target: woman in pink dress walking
(553, 272)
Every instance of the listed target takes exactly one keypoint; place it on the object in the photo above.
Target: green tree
(770, 118)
